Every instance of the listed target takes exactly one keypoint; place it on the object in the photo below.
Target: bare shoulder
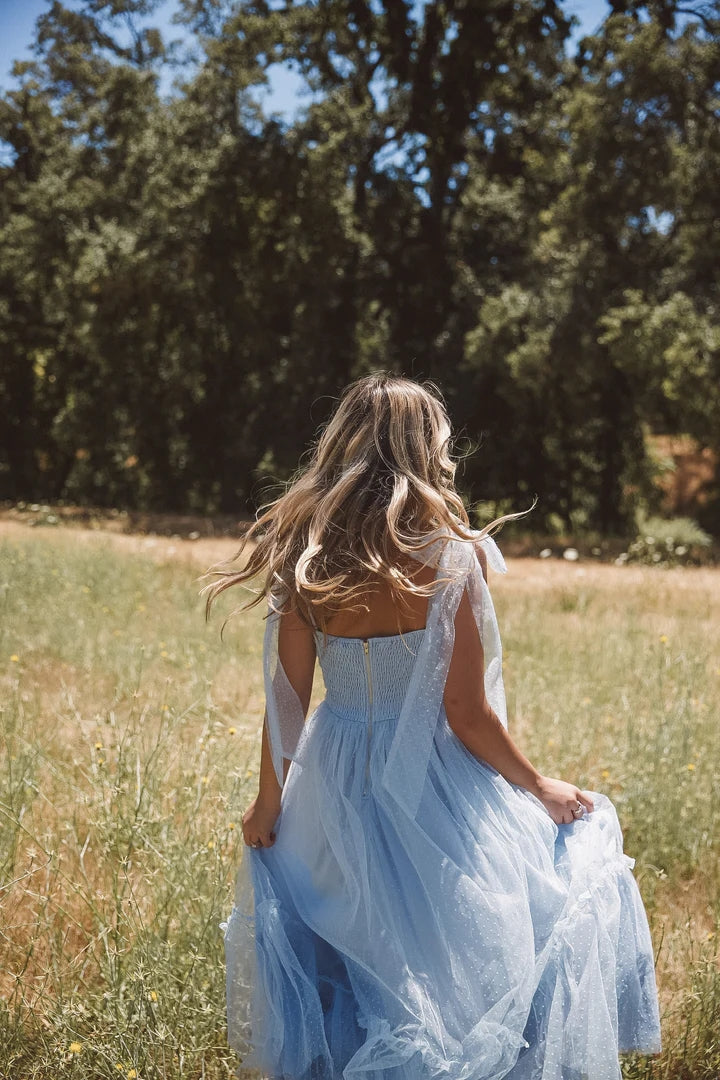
(293, 622)
(296, 652)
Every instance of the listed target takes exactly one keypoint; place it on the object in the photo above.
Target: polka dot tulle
(457, 934)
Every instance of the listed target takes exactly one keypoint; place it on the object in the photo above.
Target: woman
(418, 901)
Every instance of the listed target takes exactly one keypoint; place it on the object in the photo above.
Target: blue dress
(470, 938)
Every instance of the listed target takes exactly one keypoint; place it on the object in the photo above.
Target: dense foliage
(188, 279)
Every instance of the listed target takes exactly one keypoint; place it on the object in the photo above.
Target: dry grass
(130, 750)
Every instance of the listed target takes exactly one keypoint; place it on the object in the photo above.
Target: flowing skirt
(478, 941)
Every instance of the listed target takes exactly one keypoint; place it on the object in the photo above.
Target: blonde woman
(418, 901)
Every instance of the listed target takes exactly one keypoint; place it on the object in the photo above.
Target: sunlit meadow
(129, 747)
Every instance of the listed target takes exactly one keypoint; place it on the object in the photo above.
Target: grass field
(129, 748)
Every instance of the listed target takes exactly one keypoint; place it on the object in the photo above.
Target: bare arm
(296, 652)
(469, 713)
(479, 728)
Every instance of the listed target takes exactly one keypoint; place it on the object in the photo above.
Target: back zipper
(366, 649)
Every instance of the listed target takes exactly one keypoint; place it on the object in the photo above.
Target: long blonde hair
(380, 478)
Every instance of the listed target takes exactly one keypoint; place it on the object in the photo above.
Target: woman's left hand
(563, 800)
(258, 821)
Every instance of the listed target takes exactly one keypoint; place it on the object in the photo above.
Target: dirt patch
(192, 526)
(691, 480)
(221, 534)
(202, 552)
(533, 574)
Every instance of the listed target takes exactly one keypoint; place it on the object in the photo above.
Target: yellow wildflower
(206, 779)
(605, 774)
(211, 844)
(132, 1074)
(101, 761)
(15, 658)
(231, 731)
(690, 765)
(663, 639)
(98, 746)
(231, 825)
(152, 995)
(75, 1047)
(163, 652)
(140, 607)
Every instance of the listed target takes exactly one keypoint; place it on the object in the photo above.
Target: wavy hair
(380, 478)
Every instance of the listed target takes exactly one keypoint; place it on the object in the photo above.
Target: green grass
(130, 735)
(129, 749)
(613, 678)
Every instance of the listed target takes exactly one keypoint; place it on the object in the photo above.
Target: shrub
(665, 542)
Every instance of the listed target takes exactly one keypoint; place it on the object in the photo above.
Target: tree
(188, 283)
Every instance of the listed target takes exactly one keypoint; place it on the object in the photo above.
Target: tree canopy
(187, 281)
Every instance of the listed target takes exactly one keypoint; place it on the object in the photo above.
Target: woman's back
(381, 616)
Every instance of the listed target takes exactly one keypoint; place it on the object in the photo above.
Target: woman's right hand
(560, 799)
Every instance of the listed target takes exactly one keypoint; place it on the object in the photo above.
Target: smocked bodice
(360, 673)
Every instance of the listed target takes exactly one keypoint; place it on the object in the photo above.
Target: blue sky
(17, 22)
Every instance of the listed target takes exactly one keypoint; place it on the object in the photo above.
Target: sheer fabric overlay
(419, 917)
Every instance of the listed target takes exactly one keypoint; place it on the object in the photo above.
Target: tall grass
(613, 679)
(129, 748)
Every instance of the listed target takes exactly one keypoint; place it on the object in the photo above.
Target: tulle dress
(419, 917)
